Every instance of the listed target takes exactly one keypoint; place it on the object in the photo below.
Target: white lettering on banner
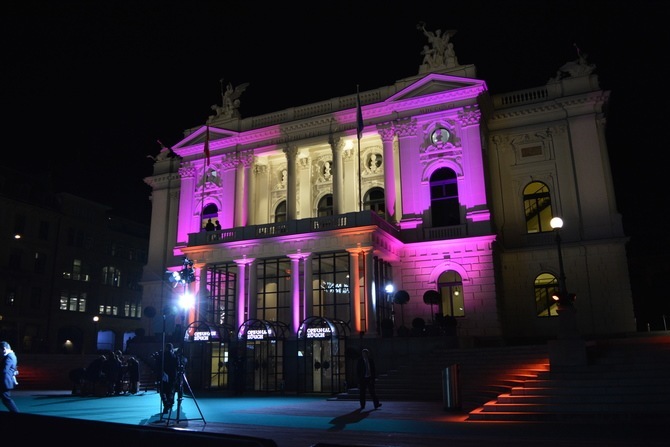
(201, 336)
(318, 332)
(256, 334)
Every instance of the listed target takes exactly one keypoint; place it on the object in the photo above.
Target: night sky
(89, 87)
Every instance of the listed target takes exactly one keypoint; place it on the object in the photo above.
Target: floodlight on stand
(186, 301)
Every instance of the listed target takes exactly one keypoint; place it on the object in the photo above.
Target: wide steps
(624, 380)
(600, 390)
(534, 414)
(482, 375)
(578, 408)
(579, 399)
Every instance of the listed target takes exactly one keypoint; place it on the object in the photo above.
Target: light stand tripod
(179, 389)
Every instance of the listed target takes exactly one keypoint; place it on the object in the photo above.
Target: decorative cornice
(187, 171)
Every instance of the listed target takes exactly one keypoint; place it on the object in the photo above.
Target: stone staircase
(479, 375)
(625, 378)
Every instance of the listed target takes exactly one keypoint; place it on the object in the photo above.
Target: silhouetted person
(10, 368)
(133, 374)
(94, 375)
(209, 226)
(367, 374)
(78, 378)
(111, 370)
(170, 366)
(451, 324)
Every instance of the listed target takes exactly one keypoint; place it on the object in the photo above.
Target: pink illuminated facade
(449, 189)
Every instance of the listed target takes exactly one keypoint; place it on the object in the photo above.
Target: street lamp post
(568, 349)
(557, 223)
(389, 289)
(96, 319)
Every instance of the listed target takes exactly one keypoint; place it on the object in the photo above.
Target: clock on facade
(439, 135)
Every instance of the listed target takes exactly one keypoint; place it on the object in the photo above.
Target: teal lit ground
(293, 421)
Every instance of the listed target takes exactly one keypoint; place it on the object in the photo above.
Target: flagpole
(359, 130)
(360, 174)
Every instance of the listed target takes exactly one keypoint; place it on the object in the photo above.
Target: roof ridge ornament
(230, 102)
(440, 53)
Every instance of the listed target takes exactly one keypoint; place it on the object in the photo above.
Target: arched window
(450, 286)
(325, 206)
(280, 212)
(546, 285)
(444, 198)
(210, 211)
(374, 200)
(537, 207)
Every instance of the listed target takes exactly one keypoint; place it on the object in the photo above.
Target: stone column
(387, 133)
(354, 274)
(185, 223)
(410, 172)
(370, 302)
(296, 315)
(242, 300)
(337, 146)
(291, 188)
(242, 189)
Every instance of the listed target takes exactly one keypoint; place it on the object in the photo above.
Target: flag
(207, 145)
(359, 115)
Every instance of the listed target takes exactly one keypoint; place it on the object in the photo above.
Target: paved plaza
(305, 421)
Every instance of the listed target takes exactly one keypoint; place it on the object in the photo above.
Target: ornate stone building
(431, 185)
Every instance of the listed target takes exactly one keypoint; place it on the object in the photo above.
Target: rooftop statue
(164, 154)
(230, 101)
(440, 53)
(578, 67)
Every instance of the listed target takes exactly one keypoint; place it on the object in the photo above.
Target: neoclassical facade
(442, 190)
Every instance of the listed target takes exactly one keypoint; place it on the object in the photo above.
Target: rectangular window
(72, 301)
(331, 293)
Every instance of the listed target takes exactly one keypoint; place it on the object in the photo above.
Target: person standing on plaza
(133, 374)
(9, 370)
(367, 374)
(170, 369)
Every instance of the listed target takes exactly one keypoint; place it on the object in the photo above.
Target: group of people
(109, 374)
(211, 226)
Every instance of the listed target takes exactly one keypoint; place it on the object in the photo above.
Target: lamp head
(556, 223)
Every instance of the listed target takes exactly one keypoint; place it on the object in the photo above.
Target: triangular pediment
(434, 84)
(198, 136)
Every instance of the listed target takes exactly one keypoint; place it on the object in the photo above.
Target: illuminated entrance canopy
(318, 332)
(322, 328)
(202, 331)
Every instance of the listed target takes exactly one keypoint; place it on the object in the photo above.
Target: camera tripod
(179, 389)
